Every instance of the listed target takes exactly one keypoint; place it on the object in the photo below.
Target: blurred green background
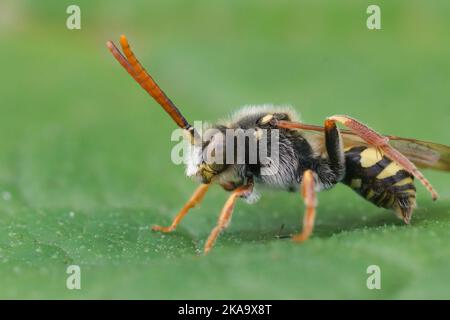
(85, 165)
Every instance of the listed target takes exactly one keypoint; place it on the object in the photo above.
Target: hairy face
(207, 159)
(246, 137)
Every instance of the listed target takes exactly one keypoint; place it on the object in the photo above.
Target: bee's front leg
(309, 197)
(225, 214)
(196, 198)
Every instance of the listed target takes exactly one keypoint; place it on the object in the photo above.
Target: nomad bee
(311, 158)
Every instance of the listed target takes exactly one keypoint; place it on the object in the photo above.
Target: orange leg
(225, 215)
(370, 136)
(309, 197)
(196, 198)
(377, 140)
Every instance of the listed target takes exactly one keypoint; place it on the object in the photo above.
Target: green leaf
(85, 167)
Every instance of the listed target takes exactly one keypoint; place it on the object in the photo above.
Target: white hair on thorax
(248, 110)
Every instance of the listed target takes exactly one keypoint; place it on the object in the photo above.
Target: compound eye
(216, 167)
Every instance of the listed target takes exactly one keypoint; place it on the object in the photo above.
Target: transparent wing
(423, 154)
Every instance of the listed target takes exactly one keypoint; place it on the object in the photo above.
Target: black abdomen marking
(380, 180)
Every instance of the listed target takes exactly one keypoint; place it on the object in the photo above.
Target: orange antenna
(135, 69)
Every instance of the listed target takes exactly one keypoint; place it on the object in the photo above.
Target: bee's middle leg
(309, 197)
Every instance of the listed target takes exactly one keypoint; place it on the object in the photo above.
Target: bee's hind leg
(377, 140)
(309, 197)
(371, 137)
(196, 198)
(335, 151)
(334, 148)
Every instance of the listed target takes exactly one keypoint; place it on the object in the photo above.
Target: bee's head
(203, 166)
(206, 156)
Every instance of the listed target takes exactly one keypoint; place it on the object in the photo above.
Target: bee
(380, 168)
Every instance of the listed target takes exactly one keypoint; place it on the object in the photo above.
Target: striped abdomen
(379, 180)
